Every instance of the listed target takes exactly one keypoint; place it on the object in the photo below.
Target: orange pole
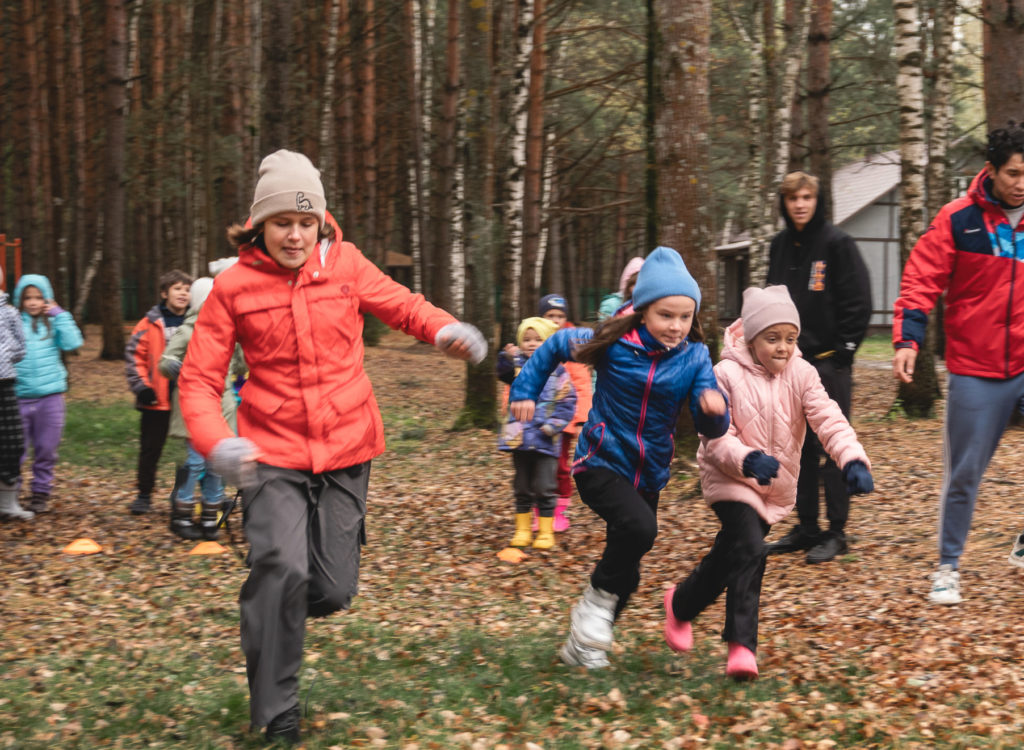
(3, 260)
(17, 258)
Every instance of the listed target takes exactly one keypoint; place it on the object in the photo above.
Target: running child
(749, 475)
(649, 364)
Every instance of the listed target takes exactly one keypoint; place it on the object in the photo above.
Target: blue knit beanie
(664, 274)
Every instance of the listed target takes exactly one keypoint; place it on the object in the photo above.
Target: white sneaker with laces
(945, 585)
(577, 655)
(593, 617)
(1017, 553)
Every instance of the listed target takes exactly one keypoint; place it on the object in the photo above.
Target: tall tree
(114, 187)
(278, 79)
(918, 398)
(533, 165)
(819, 82)
(481, 395)
(681, 143)
(1003, 41)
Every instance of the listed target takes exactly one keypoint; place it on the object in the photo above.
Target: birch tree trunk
(796, 39)
(533, 166)
(681, 143)
(938, 189)
(114, 193)
(918, 398)
(513, 267)
(1003, 40)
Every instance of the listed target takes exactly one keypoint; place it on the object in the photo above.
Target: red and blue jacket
(971, 253)
(641, 388)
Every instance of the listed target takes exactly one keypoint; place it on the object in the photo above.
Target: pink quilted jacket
(769, 413)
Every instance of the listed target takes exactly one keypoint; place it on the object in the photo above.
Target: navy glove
(858, 478)
(761, 467)
(146, 397)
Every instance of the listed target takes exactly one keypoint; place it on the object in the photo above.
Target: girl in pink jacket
(749, 474)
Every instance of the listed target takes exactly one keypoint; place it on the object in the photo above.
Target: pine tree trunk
(368, 221)
(114, 189)
(443, 189)
(1003, 40)
(682, 144)
(918, 397)
(480, 407)
(819, 82)
(76, 76)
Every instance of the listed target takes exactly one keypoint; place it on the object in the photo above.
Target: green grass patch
(105, 437)
(877, 346)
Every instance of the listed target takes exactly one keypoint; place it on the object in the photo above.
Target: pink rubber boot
(678, 635)
(561, 520)
(742, 664)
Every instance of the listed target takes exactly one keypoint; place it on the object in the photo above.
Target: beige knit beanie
(763, 308)
(288, 181)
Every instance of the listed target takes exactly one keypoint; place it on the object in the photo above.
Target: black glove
(842, 358)
(761, 467)
(146, 397)
(858, 478)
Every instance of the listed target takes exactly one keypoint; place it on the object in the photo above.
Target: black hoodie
(829, 283)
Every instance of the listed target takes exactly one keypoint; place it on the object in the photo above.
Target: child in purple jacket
(536, 443)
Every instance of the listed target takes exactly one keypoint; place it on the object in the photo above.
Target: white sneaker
(1017, 553)
(593, 617)
(576, 655)
(945, 586)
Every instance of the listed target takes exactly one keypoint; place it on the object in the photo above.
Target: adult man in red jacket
(972, 251)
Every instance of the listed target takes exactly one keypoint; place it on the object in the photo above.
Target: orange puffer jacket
(770, 414)
(308, 403)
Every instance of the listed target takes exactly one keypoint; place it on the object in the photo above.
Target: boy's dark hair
(169, 279)
(1003, 143)
(611, 330)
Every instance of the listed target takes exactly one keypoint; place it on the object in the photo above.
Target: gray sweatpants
(304, 532)
(977, 413)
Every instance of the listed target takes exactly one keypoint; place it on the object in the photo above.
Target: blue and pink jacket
(971, 252)
(641, 388)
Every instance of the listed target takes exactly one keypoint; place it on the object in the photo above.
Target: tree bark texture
(1003, 40)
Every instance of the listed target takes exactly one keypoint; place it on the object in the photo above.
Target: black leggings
(632, 519)
(735, 565)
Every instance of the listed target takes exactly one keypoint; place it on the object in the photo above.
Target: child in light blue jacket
(42, 380)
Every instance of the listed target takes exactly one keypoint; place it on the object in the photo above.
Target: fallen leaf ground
(447, 646)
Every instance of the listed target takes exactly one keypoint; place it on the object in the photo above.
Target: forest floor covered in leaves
(447, 646)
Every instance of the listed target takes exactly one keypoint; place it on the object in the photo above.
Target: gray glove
(468, 334)
(234, 459)
(170, 367)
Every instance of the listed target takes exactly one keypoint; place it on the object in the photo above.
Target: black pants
(632, 526)
(534, 483)
(735, 565)
(838, 382)
(153, 427)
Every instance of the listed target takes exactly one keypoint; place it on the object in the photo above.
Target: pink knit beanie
(763, 308)
(288, 181)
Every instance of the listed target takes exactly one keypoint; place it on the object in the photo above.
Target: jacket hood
(39, 281)
(736, 349)
(817, 220)
(980, 190)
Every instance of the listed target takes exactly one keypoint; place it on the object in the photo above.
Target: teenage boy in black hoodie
(828, 280)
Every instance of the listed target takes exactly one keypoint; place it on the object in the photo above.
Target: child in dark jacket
(649, 363)
(12, 443)
(536, 443)
(42, 379)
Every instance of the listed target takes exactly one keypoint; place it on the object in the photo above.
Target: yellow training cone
(512, 555)
(208, 548)
(82, 546)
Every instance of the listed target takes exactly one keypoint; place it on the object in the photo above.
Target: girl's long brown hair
(611, 330)
(239, 234)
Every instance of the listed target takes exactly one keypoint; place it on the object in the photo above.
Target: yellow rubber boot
(546, 535)
(523, 535)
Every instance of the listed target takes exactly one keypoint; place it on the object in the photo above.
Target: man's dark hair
(169, 279)
(1003, 143)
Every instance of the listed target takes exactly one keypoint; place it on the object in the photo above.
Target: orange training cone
(208, 548)
(82, 546)
(512, 555)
